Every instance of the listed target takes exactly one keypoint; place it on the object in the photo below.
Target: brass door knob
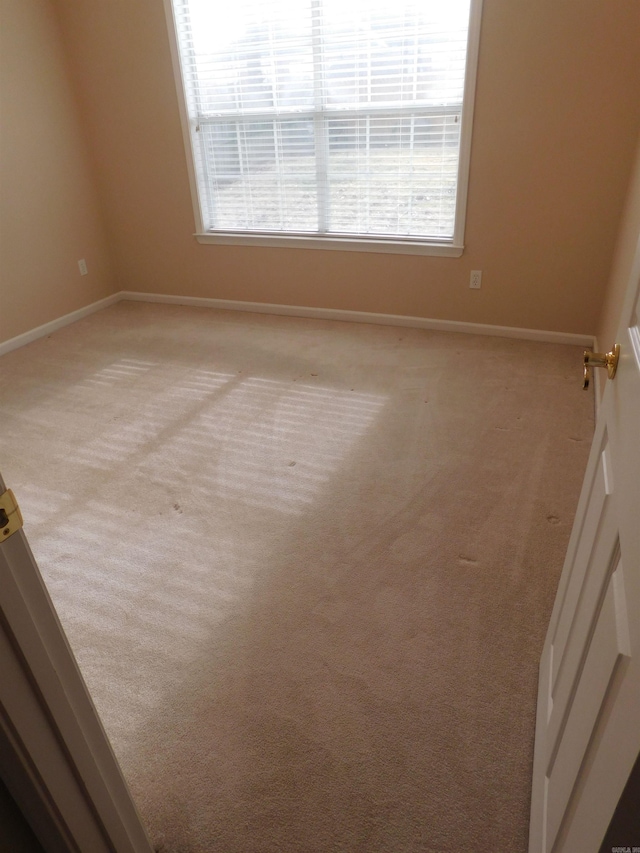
(600, 359)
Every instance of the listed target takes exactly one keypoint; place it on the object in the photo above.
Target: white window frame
(451, 247)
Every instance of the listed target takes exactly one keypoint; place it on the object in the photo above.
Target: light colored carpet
(306, 566)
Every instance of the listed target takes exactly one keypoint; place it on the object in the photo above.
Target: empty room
(319, 474)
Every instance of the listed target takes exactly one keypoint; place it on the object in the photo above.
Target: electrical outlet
(476, 279)
(82, 266)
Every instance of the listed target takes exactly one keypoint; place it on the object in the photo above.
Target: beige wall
(49, 215)
(557, 115)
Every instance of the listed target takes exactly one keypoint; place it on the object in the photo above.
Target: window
(344, 122)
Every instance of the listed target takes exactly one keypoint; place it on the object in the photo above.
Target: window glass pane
(251, 55)
(377, 51)
(262, 175)
(390, 176)
(326, 116)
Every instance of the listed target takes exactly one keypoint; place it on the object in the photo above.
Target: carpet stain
(467, 561)
(553, 519)
(178, 508)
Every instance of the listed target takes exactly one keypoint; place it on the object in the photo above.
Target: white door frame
(55, 757)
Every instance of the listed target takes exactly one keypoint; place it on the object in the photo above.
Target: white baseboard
(54, 325)
(364, 317)
(300, 311)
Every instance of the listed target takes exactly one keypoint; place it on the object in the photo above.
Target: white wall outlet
(475, 281)
(82, 266)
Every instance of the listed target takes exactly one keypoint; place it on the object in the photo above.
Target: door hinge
(10, 515)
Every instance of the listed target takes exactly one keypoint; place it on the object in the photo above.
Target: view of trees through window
(326, 116)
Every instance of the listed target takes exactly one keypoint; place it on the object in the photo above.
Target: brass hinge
(10, 515)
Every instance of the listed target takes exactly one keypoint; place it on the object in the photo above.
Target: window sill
(339, 244)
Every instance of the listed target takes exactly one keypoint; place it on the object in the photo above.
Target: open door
(588, 717)
(55, 758)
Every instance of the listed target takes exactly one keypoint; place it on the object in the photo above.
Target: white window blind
(326, 117)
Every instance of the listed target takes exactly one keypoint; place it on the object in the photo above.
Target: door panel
(586, 568)
(588, 718)
(55, 757)
(607, 650)
(582, 626)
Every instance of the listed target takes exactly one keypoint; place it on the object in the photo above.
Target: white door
(54, 755)
(588, 718)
